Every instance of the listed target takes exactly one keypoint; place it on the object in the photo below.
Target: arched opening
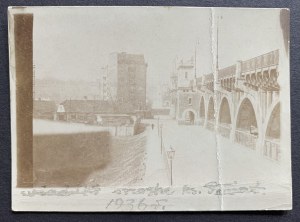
(189, 118)
(202, 111)
(224, 127)
(272, 137)
(246, 125)
(211, 115)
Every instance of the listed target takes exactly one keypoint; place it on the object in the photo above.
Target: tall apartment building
(124, 81)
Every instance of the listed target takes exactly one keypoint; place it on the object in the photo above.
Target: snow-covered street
(201, 156)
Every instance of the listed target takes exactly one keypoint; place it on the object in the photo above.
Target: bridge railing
(224, 129)
(210, 124)
(246, 139)
(227, 72)
(208, 78)
(262, 61)
(165, 158)
(272, 149)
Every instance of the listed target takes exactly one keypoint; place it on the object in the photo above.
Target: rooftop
(88, 106)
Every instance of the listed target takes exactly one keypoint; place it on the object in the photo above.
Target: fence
(224, 130)
(246, 139)
(164, 156)
(210, 125)
(120, 130)
(272, 149)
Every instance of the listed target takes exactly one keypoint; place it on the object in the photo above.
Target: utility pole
(158, 126)
(217, 65)
(161, 138)
(196, 61)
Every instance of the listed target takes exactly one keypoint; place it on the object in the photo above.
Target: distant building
(83, 110)
(97, 112)
(165, 96)
(124, 82)
(185, 73)
(184, 95)
(44, 109)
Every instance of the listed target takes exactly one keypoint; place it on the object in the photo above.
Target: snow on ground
(126, 166)
(54, 127)
(196, 161)
(155, 167)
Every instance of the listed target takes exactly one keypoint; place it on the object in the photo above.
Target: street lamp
(171, 154)
(158, 126)
(161, 139)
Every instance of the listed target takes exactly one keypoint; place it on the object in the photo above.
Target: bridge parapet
(227, 76)
(209, 81)
(262, 61)
(199, 83)
(228, 72)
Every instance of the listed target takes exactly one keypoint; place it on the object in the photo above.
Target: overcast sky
(75, 43)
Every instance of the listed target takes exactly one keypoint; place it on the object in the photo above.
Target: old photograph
(150, 109)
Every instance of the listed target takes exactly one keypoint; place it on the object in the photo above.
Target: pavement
(201, 156)
(156, 171)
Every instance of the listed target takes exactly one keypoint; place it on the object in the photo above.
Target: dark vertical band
(23, 26)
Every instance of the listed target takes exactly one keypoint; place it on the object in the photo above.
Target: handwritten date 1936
(137, 204)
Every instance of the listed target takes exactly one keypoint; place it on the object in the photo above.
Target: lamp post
(158, 126)
(161, 140)
(171, 154)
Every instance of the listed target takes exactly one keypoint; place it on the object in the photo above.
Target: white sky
(74, 43)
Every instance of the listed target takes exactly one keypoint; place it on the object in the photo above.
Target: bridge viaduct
(240, 102)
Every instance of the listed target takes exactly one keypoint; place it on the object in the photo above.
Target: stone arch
(202, 110)
(211, 109)
(273, 123)
(189, 116)
(224, 111)
(271, 142)
(210, 116)
(246, 125)
(224, 118)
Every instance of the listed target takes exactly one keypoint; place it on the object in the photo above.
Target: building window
(190, 101)
(186, 75)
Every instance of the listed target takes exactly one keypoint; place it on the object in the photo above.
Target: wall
(183, 104)
(67, 159)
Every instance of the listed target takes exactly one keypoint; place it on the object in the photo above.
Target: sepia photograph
(150, 109)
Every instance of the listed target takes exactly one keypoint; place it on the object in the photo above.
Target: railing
(262, 61)
(224, 130)
(210, 125)
(272, 149)
(246, 139)
(166, 160)
(164, 153)
(227, 72)
(208, 78)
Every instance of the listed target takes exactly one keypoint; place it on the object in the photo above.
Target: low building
(44, 109)
(83, 110)
(96, 112)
